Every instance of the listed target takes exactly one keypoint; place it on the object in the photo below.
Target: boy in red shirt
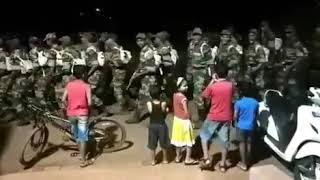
(77, 97)
(220, 93)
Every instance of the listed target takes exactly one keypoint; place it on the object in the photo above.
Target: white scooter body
(306, 138)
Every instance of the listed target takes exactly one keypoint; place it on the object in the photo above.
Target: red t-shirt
(77, 103)
(178, 110)
(220, 93)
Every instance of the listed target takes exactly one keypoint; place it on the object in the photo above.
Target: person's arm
(88, 93)
(184, 105)
(207, 91)
(149, 106)
(64, 97)
(235, 114)
(164, 107)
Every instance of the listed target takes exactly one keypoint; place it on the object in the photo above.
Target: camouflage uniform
(293, 53)
(113, 57)
(147, 60)
(95, 77)
(230, 55)
(255, 57)
(3, 70)
(169, 57)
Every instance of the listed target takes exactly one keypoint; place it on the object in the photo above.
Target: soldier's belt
(199, 66)
(252, 65)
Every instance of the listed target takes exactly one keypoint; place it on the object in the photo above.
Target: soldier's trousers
(118, 85)
(199, 82)
(94, 80)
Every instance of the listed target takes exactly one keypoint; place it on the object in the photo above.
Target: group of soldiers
(46, 65)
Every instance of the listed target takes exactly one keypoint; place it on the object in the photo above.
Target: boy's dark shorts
(158, 132)
(244, 135)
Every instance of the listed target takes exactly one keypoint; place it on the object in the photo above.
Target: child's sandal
(222, 168)
(205, 164)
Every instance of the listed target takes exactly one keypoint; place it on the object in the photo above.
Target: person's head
(196, 34)
(88, 37)
(290, 32)
(182, 85)
(110, 44)
(141, 39)
(221, 70)
(33, 42)
(50, 39)
(252, 36)
(245, 88)
(264, 26)
(155, 92)
(79, 71)
(65, 41)
(225, 36)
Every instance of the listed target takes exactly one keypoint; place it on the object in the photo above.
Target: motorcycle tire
(306, 168)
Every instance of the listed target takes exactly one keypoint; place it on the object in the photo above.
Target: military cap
(50, 36)
(141, 36)
(253, 31)
(33, 39)
(197, 31)
(65, 39)
(163, 35)
(289, 29)
(225, 32)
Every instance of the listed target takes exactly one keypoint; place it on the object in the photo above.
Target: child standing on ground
(77, 97)
(158, 130)
(182, 132)
(245, 110)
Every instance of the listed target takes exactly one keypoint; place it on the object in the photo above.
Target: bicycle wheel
(34, 146)
(108, 135)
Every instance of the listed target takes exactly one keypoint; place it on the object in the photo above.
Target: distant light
(110, 18)
(98, 10)
(81, 14)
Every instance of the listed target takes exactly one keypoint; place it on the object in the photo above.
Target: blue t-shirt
(247, 110)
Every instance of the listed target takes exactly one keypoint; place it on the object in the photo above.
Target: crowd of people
(220, 72)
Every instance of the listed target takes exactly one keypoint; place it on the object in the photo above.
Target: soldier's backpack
(59, 59)
(42, 58)
(213, 51)
(265, 50)
(125, 55)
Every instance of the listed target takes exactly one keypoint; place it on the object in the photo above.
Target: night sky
(128, 18)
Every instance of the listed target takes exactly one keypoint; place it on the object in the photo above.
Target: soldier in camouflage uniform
(197, 71)
(4, 55)
(95, 71)
(230, 54)
(255, 61)
(293, 57)
(146, 69)
(169, 57)
(118, 59)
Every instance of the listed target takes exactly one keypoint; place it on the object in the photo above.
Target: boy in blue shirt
(245, 111)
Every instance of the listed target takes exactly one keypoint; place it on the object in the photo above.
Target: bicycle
(101, 132)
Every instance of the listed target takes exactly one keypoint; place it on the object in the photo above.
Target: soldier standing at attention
(200, 60)
(255, 61)
(117, 58)
(147, 69)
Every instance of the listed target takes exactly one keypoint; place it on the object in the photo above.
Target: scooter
(293, 134)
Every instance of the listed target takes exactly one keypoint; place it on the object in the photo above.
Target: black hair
(221, 70)
(245, 89)
(155, 92)
(79, 71)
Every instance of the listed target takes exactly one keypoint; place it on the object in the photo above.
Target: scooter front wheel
(307, 168)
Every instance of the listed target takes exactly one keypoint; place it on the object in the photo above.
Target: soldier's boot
(135, 117)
